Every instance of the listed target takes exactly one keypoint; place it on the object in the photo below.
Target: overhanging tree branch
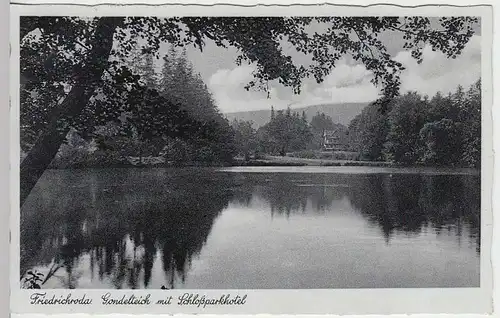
(47, 145)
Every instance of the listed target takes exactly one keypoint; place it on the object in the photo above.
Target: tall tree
(368, 133)
(320, 123)
(245, 138)
(180, 83)
(406, 118)
(441, 131)
(142, 64)
(287, 131)
(87, 76)
(442, 143)
(470, 116)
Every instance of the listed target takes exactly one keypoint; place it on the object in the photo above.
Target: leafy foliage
(245, 138)
(416, 130)
(442, 142)
(286, 131)
(161, 117)
(368, 132)
(74, 70)
(406, 118)
(32, 280)
(55, 49)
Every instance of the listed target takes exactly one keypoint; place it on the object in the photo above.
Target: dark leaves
(32, 280)
(54, 49)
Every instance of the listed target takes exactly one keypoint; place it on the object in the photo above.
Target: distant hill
(341, 113)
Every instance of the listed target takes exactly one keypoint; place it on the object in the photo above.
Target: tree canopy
(443, 130)
(74, 72)
(286, 131)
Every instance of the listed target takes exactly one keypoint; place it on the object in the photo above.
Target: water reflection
(121, 228)
(122, 222)
(406, 203)
(411, 203)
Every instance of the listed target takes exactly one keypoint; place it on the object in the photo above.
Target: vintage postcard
(301, 159)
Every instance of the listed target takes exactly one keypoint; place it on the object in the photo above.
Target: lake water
(255, 228)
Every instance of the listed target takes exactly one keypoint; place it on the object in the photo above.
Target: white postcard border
(339, 302)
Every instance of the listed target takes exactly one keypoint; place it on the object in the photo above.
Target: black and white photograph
(241, 152)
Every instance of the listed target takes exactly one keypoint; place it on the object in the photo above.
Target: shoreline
(288, 160)
(268, 161)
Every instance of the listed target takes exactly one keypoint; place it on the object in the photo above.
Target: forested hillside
(341, 113)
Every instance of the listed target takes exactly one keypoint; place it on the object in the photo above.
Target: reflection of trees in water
(243, 195)
(289, 194)
(284, 199)
(407, 203)
(124, 230)
(410, 203)
(390, 202)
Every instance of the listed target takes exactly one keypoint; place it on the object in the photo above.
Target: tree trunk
(47, 145)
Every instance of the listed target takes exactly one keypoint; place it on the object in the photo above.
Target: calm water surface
(307, 227)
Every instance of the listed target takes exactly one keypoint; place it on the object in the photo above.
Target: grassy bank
(104, 161)
(268, 161)
(277, 160)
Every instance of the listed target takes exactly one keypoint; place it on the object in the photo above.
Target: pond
(254, 228)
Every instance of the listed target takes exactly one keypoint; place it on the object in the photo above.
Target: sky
(348, 82)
